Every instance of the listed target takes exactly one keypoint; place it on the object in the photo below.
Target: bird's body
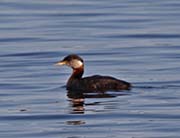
(97, 83)
(94, 83)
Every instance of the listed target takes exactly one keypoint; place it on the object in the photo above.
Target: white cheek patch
(76, 63)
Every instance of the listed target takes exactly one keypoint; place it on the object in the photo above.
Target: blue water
(134, 40)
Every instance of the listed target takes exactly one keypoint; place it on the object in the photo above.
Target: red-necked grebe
(94, 83)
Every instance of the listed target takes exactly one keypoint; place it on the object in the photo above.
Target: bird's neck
(73, 81)
(77, 73)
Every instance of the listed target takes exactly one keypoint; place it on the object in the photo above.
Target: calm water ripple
(134, 40)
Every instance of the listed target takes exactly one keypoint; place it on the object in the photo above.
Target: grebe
(94, 83)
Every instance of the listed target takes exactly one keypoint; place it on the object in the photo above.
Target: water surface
(134, 40)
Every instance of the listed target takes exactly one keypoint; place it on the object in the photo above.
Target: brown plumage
(94, 83)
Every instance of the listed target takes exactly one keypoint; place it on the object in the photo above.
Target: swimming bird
(94, 83)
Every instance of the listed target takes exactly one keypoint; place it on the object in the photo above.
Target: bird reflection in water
(77, 99)
(76, 122)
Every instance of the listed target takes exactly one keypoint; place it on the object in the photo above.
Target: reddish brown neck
(77, 73)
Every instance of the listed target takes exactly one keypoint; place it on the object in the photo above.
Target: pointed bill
(61, 63)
